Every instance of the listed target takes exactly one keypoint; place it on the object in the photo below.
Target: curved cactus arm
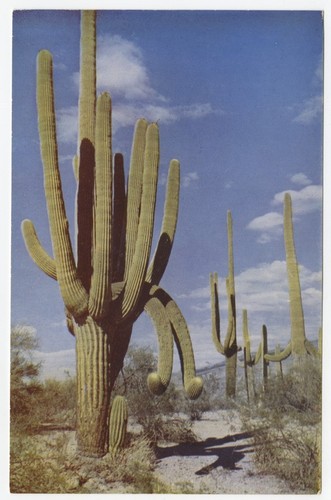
(100, 292)
(193, 385)
(134, 191)
(36, 251)
(255, 359)
(72, 290)
(230, 341)
(280, 356)
(215, 314)
(159, 381)
(311, 349)
(170, 215)
(119, 219)
(137, 273)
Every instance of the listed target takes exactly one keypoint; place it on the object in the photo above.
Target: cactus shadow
(228, 450)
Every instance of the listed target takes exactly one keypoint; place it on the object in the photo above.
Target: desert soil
(220, 462)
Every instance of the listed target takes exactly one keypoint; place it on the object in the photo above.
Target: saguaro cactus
(298, 346)
(250, 360)
(118, 424)
(111, 280)
(229, 348)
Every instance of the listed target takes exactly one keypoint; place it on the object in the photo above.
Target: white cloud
(189, 178)
(304, 201)
(121, 70)
(263, 291)
(300, 179)
(56, 364)
(307, 200)
(310, 110)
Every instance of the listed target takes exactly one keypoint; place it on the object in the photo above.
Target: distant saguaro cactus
(251, 361)
(298, 346)
(229, 348)
(111, 280)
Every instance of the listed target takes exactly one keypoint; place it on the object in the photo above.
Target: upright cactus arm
(36, 251)
(247, 341)
(215, 314)
(230, 341)
(100, 292)
(193, 385)
(134, 191)
(162, 253)
(138, 269)
(159, 381)
(73, 292)
(119, 219)
(85, 162)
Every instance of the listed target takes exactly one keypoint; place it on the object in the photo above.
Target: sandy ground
(220, 462)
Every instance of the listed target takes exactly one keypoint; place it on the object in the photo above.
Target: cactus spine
(229, 348)
(118, 424)
(111, 279)
(298, 346)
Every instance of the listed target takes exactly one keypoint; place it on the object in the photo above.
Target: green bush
(285, 421)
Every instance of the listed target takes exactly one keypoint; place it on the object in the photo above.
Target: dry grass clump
(286, 423)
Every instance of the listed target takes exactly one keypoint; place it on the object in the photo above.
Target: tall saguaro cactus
(111, 279)
(298, 346)
(229, 348)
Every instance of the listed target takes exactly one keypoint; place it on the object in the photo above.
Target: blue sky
(238, 99)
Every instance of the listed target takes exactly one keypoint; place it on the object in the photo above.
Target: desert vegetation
(107, 429)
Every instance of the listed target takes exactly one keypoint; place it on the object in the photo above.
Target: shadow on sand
(227, 456)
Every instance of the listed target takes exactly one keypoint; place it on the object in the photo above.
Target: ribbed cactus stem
(118, 424)
(36, 251)
(100, 293)
(159, 381)
(296, 309)
(73, 293)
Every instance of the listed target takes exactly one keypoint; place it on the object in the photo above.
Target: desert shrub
(285, 421)
(58, 402)
(209, 400)
(25, 387)
(37, 467)
(157, 415)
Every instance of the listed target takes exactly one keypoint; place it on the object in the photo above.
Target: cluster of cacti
(111, 279)
(298, 346)
(118, 424)
(229, 347)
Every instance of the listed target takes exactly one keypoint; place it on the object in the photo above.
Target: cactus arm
(100, 292)
(215, 314)
(159, 381)
(296, 309)
(138, 269)
(118, 424)
(170, 215)
(280, 356)
(85, 155)
(134, 191)
(119, 219)
(310, 348)
(87, 95)
(37, 253)
(73, 292)
(258, 354)
(193, 385)
(75, 166)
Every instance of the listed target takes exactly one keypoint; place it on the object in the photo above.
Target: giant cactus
(111, 279)
(298, 346)
(250, 360)
(229, 347)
